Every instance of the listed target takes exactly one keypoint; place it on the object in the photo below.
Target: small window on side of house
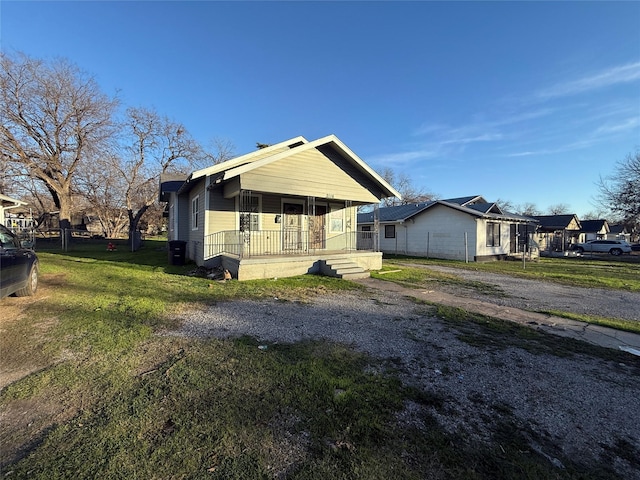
(389, 231)
(195, 210)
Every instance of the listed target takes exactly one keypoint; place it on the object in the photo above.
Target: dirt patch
(23, 341)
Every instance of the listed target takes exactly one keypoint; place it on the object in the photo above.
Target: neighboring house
(593, 230)
(466, 228)
(283, 210)
(7, 203)
(618, 232)
(557, 232)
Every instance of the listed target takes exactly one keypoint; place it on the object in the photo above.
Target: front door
(317, 228)
(292, 227)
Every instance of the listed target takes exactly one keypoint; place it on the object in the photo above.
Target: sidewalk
(594, 334)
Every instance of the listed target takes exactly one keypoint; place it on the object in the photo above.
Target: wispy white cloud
(612, 76)
(569, 147)
(628, 124)
(485, 137)
(401, 158)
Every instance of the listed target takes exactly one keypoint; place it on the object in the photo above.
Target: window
(389, 231)
(250, 214)
(195, 208)
(336, 220)
(493, 234)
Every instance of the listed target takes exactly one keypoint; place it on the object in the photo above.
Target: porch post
(347, 227)
(376, 227)
(311, 219)
(244, 238)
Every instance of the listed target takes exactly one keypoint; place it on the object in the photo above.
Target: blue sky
(526, 102)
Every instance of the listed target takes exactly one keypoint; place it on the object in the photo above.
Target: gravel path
(577, 407)
(542, 296)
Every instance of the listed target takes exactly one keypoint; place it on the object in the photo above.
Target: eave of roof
(402, 213)
(248, 162)
(8, 202)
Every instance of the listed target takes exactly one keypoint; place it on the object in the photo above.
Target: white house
(466, 228)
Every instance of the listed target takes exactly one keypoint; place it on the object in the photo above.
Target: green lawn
(622, 273)
(109, 398)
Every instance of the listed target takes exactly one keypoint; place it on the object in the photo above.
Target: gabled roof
(259, 158)
(617, 229)
(250, 157)
(485, 207)
(594, 225)
(556, 222)
(402, 213)
(464, 201)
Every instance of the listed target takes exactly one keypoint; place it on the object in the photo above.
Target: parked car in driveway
(18, 266)
(635, 247)
(614, 247)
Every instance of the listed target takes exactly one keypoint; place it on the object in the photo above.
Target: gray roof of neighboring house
(395, 214)
(617, 229)
(405, 212)
(555, 222)
(464, 200)
(593, 225)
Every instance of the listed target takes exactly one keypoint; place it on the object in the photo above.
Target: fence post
(466, 249)
(428, 234)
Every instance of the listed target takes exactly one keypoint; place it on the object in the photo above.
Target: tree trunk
(134, 221)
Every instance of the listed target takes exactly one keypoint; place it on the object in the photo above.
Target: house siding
(438, 232)
(443, 232)
(484, 251)
(195, 238)
(221, 215)
(309, 173)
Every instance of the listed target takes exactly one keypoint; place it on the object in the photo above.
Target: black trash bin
(177, 250)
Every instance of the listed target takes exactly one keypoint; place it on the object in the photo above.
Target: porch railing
(282, 242)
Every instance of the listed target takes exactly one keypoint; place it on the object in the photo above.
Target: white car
(614, 247)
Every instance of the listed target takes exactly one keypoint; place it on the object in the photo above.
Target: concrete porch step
(342, 268)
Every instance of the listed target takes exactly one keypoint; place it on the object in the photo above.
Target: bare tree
(506, 205)
(558, 209)
(103, 188)
(404, 185)
(53, 118)
(620, 191)
(529, 209)
(217, 150)
(152, 145)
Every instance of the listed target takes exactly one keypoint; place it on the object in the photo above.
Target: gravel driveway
(579, 407)
(543, 296)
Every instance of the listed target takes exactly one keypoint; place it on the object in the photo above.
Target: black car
(635, 247)
(18, 266)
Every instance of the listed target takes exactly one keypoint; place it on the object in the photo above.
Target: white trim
(242, 159)
(194, 214)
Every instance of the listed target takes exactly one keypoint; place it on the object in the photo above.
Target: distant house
(557, 232)
(282, 210)
(593, 230)
(618, 232)
(6, 204)
(465, 228)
